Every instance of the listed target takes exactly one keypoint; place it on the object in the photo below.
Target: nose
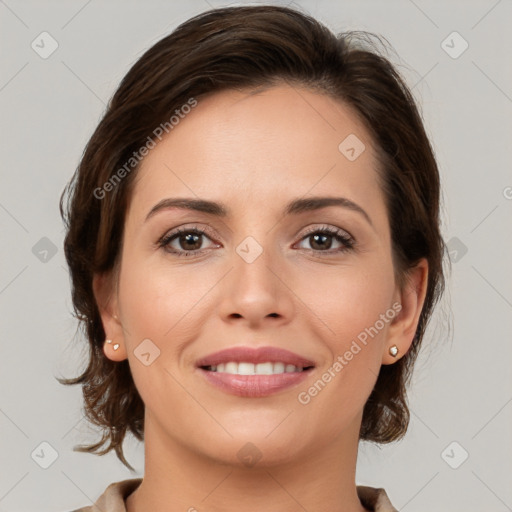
(256, 293)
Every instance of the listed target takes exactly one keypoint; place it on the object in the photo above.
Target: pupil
(190, 239)
(322, 244)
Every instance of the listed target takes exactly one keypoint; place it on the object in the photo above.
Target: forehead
(267, 146)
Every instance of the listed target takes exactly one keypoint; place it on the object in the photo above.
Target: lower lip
(254, 385)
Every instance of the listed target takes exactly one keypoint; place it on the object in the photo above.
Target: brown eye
(184, 242)
(190, 241)
(321, 240)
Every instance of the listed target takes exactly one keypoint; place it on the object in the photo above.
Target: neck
(178, 479)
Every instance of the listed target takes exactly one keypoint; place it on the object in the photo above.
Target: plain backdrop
(455, 55)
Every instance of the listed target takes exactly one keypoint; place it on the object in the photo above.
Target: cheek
(156, 298)
(347, 300)
(168, 306)
(157, 302)
(352, 304)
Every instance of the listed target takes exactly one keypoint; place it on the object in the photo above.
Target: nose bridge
(254, 290)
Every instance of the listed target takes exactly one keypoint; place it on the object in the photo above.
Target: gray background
(461, 391)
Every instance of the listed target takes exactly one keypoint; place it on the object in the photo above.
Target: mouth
(246, 368)
(254, 372)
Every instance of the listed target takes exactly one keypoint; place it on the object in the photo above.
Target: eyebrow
(295, 207)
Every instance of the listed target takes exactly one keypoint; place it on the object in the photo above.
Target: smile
(254, 372)
(244, 368)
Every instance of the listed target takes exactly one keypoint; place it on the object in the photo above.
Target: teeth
(243, 368)
(279, 367)
(230, 367)
(264, 369)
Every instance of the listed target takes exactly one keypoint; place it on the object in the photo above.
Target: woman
(254, 244)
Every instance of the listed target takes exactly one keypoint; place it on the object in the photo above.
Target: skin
(255, 153)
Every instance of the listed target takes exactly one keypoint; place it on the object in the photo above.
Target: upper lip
(255, 355)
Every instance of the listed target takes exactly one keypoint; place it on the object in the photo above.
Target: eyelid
(326, 227)
(204, 229)
(207, 230)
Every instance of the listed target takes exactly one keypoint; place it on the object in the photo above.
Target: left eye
(321, 240)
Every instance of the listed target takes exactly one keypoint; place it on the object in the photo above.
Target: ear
(403, 327)
(105, 293)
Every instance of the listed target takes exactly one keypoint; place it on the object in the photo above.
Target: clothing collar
(113, 498)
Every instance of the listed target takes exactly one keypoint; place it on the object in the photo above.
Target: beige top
(112, 500)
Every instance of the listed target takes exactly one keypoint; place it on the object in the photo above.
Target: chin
(255, 449)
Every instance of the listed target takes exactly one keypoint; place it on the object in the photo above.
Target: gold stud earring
(115, 346)
(393, 350)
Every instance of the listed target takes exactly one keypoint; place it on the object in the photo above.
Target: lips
(254, 372)
(255, 356)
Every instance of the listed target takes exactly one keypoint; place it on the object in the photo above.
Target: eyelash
(339, 235)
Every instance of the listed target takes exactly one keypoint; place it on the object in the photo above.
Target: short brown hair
(244, 48)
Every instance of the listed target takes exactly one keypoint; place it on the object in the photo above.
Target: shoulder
(113, 497)
(375, 499)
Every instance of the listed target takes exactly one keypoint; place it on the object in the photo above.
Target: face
(267, 323)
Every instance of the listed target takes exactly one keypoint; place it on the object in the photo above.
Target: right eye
(187, 241)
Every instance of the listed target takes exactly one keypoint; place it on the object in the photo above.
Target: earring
(393, 350)
(116, 345)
